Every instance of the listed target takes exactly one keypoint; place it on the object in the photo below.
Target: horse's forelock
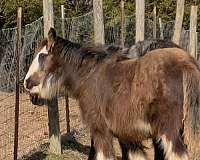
(41, 45)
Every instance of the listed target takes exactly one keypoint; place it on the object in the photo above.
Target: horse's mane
(143, 47)
(41, 44)
(97, 53)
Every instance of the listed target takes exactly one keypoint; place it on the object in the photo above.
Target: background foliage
(32, 9)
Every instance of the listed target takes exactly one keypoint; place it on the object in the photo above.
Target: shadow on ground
(69, 144)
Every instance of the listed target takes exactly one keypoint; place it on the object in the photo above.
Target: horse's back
(168, 55)
(156, 80)
(162, 69)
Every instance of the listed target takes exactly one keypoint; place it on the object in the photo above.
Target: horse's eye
(41, 59)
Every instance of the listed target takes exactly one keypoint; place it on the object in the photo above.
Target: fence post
(99, 36)
(179, 21)
(193, 29)
(54, 128)
(53, 114)
(18, 52)
(154, 22)
(197, 45)
(66, 94)
(161, 29)
(67, 111)
(48, 16)
(140, 9)
(122, 24)
(63, 20)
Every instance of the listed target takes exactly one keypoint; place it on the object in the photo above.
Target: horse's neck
(76, 78)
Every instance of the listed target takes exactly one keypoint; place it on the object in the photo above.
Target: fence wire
(33, 121)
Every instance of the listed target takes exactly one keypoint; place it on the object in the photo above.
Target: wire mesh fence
(28, 115)
(33, 122)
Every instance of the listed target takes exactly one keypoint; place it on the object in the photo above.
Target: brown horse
(38, 64)
(136, 51)
(151, 97)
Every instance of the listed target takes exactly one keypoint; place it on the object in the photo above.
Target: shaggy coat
(155, 96)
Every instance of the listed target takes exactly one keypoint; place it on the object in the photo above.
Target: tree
(32, 9)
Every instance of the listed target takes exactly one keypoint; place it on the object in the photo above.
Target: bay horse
(133, 99)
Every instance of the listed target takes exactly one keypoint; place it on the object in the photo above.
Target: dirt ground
(75, 145)
(33, 131)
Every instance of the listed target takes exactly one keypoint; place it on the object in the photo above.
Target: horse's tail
(191, 110)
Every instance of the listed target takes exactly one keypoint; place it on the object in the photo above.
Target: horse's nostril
(29, 84)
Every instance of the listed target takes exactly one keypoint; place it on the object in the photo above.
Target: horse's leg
(136, 152)
(103, 144)
(158, 150)
(92, 152)
(125, 146)
(174, 148)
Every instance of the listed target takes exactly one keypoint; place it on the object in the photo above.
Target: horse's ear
(51, 37)
(52, 34)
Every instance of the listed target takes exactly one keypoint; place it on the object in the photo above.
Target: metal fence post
(18, 52)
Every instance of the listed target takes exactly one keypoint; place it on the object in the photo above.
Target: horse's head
(41, 79)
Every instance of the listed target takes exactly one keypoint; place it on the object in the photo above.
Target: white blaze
(34, 65)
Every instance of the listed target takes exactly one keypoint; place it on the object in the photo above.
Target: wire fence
(33, 122)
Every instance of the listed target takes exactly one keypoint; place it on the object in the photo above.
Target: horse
(138, 52)
(37, 63)
(133, 99)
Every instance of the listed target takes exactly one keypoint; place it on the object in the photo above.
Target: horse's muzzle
(36, 100)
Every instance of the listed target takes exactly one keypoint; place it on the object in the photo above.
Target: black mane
(75, 54)
(143, 47)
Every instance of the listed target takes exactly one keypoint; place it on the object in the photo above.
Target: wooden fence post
(193, 29)
(54, 128)
(99, 36)
(66, 94)
(140, 9)
(179, 21)
(18, 52)
(48, 16)
(53, 114)
(122, 24)
(154, 22)
(63, 20)
(161, 29)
